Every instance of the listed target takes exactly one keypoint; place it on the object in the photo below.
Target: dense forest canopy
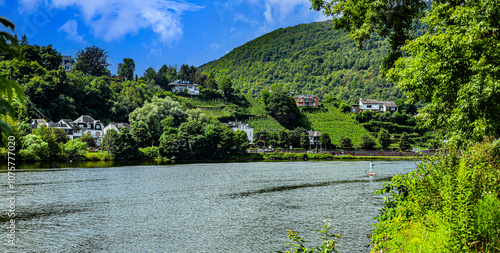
(308, 59)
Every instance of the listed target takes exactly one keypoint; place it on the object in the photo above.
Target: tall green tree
(384, 138)
(226, 86)
(281, 106)
(404, 142)
(345, 142)
(126, 146)
(325, 140)
(142, 134)
(109, 141)
(92, 61)
(366, 142)
(127, 68)
(211, 83)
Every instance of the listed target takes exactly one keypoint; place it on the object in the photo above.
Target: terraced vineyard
(268, 124)
(336, 124)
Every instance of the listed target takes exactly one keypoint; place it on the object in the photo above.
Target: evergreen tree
(404, 142)
(384, 138)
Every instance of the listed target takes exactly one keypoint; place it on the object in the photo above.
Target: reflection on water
(211, 207)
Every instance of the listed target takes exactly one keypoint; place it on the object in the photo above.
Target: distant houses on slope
(185, 86)
(306, 101)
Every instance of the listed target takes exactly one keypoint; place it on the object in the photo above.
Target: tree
(34, 148)
(24, 40)
(281, 106)
(211, 83)
(127, 68)
(109, 141)
(345, 142)
(153, 113)
(304, 140)
(384, 138)
(75, 149)
(393, 19)
(126, 146)
(325, 140)
(142, 134)
(226, 86)
(92, 61)
(8, 88)
(451, 68)
(404, 142)
(366, 142)
(60, 135)
(88, 139)
(51, 59)
(48, 136)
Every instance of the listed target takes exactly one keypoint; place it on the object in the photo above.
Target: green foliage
(281, 106)
(92, 61)
(75, 149)
(154, 112)
(150, 153)
(335, 124)
(345, 142)
(450, 203)
(404, 142)
(142, 134)
(384, 138)
(328, 246)
(109, 141)
(226, 86)
(126, 69)
(48, 136)
(126, 146)
(366, 142)
(8, 88)
(60, 135)
(308, 59)
(34, 148)
(88, 139)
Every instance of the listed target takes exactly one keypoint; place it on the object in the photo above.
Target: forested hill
(308, 59)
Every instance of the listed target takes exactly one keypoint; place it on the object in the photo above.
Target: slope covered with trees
(308, 59)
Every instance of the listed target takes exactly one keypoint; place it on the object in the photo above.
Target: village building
(241, 126)
(313, 138)
(375, 105)
(307, 101)
(67, 62)
(116, 126)
(186, 86)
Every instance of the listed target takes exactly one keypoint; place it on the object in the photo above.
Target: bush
(150, 153)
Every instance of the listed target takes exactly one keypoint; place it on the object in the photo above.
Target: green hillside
(336, 124)
(308, 59)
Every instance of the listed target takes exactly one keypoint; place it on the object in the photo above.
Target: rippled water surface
(215, 207)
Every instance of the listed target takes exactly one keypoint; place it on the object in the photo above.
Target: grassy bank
(325, 156)
(450, 203)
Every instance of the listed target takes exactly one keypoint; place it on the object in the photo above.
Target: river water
(211, 207)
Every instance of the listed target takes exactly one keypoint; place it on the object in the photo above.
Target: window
(368, 106)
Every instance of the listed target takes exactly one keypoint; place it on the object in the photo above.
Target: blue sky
(153, 32)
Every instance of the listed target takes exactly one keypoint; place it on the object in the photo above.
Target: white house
(92, 126)
(375, 105)
(313, 137)
(185, 86)
(244, 127)
(67, 62)
(71, 128)
(116, 126)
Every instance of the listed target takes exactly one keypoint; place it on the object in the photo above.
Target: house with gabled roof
(116, 126)
(92, 126)
(71, 128)
(375, 105)
(184, 86)
(307, 101)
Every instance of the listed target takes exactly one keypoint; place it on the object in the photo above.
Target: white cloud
(70, 28)
(113, 19)
(268, 13)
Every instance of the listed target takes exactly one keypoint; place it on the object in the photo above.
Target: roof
(313, 134)
(305, 96)
(87, 119)
(370, 101)
(119, 125)
(70, 123)
(183, 83)
(389, 104)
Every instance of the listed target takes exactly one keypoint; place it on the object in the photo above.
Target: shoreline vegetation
(248, 157)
